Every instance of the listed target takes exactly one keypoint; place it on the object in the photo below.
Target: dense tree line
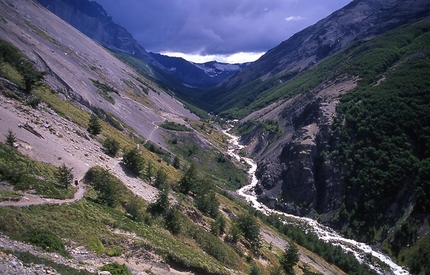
(384, 135)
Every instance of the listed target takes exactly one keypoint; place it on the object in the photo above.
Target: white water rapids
(360, 250)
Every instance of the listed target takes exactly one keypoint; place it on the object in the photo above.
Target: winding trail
(29, 199)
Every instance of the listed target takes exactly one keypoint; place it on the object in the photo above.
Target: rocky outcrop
(294, 174)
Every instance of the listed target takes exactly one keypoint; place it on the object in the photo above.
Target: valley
(109, 162)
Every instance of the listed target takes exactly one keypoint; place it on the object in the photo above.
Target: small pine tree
(176, 162)
(149, 173)
(64, 175)
(173, 220)
(94, 126)
(133, 161)
(250, 230)
(160, 179)
(10, 138)
(189, 180)
(110, 146)
(290, 258)
(162, 204)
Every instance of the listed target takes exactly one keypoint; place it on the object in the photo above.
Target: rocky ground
(56, 140)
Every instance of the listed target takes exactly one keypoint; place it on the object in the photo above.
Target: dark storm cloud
(216, 27)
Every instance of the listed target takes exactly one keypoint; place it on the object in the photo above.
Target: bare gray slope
(72, 60)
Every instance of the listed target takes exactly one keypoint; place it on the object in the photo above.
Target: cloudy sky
(223, 30)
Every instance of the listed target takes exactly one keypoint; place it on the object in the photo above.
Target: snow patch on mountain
(213, 69)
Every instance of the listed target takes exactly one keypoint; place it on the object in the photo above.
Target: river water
(360, 250)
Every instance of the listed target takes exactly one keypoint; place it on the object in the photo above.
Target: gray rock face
(294, 176)
(91, 19)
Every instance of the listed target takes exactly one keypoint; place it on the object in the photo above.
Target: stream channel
(360, 250)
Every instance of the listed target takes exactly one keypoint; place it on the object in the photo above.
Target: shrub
(107, 186)
(173, 220)
(136, 208)
(46, 240)
(250, 230)
(133, 161)
(161, 205)
(175, 126)
(116, 269)
(64, 175)
(290, 258)
(110, 146)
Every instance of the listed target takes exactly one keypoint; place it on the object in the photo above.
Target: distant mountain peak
(201, 75)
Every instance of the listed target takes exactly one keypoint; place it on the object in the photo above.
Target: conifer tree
(10, 138)
(94, 126)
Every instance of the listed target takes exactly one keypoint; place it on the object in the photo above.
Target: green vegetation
(94, 126)
(385, 133)
(104, 90)
(46, 240)
(29, 259)
(10, 138)
(110, 146)
(110, 190)
(116, 269)
(26, 174)
(175, 126)
(209, 162)
(332, 254)
(290, 258)
(266, 126)
(250, 230)
(133, 161)
(64, 175)
(28, 77)
(6, 195)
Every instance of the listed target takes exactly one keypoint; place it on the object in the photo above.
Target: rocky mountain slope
(322, 114)
(91, 19)
(357, 20)
(75, 64)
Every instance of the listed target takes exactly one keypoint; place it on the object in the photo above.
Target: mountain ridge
(91, 18)
(357, 20)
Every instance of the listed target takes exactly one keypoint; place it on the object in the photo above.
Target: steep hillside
(87, 74)
(350, 144)
(91, 19)
(361, 19)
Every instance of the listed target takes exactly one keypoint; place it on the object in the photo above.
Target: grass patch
(105, 90)
(6, 195)
(26, 174)
(213, 166)
(46, 240)
(175, 126)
